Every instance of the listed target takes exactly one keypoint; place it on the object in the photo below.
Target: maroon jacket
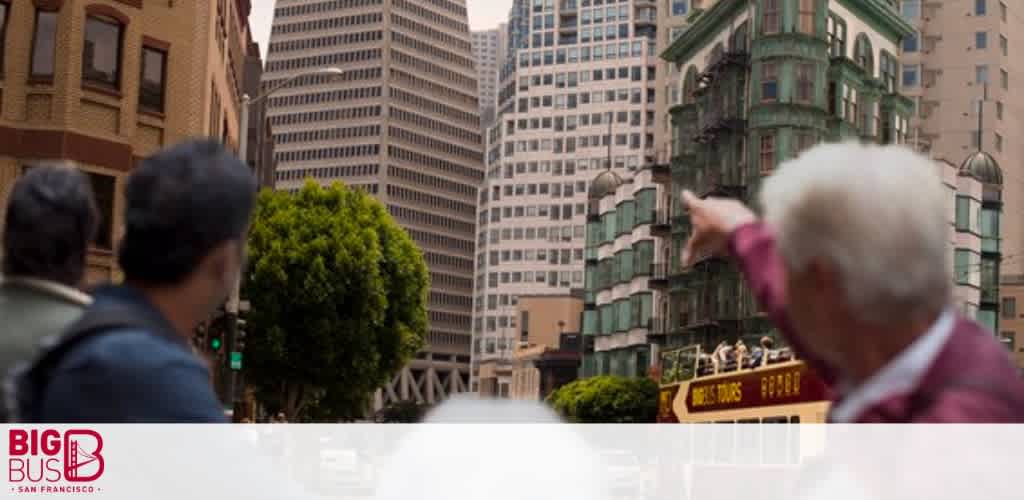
(971, 381)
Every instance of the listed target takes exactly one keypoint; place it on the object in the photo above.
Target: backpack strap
(25, 385)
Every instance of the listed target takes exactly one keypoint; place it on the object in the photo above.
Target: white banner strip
(514, 461)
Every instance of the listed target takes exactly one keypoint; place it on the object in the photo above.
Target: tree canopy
(338, 293)
(607, 399)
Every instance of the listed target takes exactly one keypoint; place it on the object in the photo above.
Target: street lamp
(231, 308)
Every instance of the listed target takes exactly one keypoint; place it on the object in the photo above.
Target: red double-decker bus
(776, 389)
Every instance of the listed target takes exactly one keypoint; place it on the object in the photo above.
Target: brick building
(103, 83)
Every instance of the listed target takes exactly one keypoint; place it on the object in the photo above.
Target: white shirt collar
(900, 375)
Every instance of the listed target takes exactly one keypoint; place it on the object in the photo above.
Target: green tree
(607, 399)
(338, 293)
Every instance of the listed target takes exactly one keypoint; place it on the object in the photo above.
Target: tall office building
(960, 46)
(489, 53)
(577, 93)
(403, 124)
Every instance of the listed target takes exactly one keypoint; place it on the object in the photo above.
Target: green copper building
(755, 82)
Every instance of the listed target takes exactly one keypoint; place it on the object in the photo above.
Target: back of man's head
(51, 218)
(181, 204)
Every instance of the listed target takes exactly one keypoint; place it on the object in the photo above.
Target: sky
(483, 14)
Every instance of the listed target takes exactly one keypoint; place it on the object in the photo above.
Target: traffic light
(215, 342)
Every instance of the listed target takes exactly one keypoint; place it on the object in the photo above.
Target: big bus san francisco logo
(48, 460)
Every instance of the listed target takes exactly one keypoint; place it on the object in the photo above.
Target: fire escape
(711, 304)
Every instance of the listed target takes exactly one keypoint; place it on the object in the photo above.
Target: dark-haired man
(186, 216)
(51, 218)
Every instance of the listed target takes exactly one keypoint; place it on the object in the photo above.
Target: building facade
(759, 82)
(975, 212)
(576, 95)
(959, 47)
(260, 152)
(102, 84)
(402, 123)
(1011, 320)
(489, 54)
(548, 353)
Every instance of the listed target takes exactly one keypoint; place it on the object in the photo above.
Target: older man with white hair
(850, 262)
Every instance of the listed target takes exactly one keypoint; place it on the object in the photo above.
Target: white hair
(877, 213)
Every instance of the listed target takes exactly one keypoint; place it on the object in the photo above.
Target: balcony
(720, 62)
(567, 28)
(661, 173)
(721, 183)
(659, 275)
(646, 16)
(714, 121)
(661, 223)
(568, 8)
(657, 329)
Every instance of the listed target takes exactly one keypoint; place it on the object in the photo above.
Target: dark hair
(51, 219)
(181, 203)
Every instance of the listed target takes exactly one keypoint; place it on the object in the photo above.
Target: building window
(962, 268)
(1004, 79)
(769, 82)
(44, 43)
(4, 8)
(680, 7)
(911, 9)
(770, 19)
(999, 110)
(911, 42)
(963, 213)
(151, 88)
(981, 74)
(999, 143)
(1004, 45)
(889, 69)
(1009, 307)
(911, 76)
(980, 7)
(101, 55)
(767, 154)
(807, 16)
(863, 54)
(981, 40)
(836, 36)
(1002, 11)
(805, 83)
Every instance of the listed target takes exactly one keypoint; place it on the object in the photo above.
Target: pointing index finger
(690, 200)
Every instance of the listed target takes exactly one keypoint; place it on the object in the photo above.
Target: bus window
(748, 442)
(794, 441)
(773, 450)
(724, 443)
(703, 443)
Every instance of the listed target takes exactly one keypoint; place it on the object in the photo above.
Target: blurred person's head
(51, 219)
(186, 218)
(863, 234)
(437, 461)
